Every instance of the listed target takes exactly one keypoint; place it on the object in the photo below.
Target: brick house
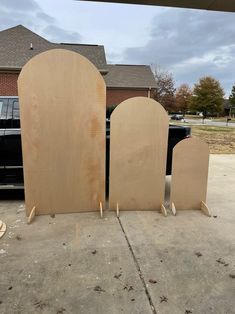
(19, 44)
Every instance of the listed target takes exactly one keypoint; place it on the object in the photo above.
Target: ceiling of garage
(215, 5)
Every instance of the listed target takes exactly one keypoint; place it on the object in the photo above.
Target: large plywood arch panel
(189, 174)
(138, 151)
(62, 110)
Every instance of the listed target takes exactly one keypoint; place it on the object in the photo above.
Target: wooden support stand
(117, 210)
(32, 215)
(204, 208)
(101, 210)
(173, 209)
(163, 210)
(3, 229)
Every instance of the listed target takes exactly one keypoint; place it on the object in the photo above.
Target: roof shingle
(15, 48)
(132, 76)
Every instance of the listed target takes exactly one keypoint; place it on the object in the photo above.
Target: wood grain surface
(138, 151)
(189, 174)
(62, 111)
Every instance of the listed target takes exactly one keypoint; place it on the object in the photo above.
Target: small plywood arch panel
(189, 174)
(62, 110)
(138, 152)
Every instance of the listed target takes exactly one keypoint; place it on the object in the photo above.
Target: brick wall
(116, 96)
(8, 87)
(8, 84)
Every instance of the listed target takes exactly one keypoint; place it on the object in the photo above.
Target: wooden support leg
(173, 209)
(163, 210)
(205, 209)
(117, 210)
(32, 215)
(101, 210)
(3, 228)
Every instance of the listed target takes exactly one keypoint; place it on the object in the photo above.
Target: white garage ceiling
(214, 5)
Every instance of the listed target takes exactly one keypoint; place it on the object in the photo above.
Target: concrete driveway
(142, 263)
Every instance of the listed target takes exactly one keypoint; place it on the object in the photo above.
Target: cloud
(45, 18)
(191, 44)
(57, 34)
(30, 14)
(19, 6)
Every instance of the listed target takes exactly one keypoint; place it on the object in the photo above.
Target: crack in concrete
(138, 269)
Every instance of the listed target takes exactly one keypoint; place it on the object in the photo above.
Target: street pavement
(209, 122)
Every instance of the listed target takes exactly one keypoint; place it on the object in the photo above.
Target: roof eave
(10, 69)
(18, 69)
(131, 87)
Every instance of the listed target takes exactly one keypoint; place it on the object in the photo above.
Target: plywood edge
(205, 209)
(163, 210)
(173, 209)
(32, 215)
(41, 212)
(123, 106)
(3, 229)
(191, 140)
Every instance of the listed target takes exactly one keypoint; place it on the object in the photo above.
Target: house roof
(132, 76)
(15, 51)
(15, 48)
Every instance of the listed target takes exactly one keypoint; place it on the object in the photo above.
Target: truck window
(16, 110)
(9, 112)
(3, 112)
(16, 114)
(9, 116)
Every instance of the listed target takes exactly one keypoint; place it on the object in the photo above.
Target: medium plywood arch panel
(189, 174)
(138, 151)
(62, 110)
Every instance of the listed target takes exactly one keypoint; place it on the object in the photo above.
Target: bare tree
(183, 98)
(165, 91)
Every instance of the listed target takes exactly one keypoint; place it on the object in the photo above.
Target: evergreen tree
(232, 96)
(208, 96)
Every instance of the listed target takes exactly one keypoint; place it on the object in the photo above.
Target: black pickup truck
(11, 165)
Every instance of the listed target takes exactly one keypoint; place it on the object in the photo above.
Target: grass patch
(221, 140)
(209, 129)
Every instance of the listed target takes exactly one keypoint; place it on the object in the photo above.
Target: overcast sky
(188, 43)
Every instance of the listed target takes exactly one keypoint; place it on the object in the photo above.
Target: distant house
(125, 81)
(19, 45)
(229, 109)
